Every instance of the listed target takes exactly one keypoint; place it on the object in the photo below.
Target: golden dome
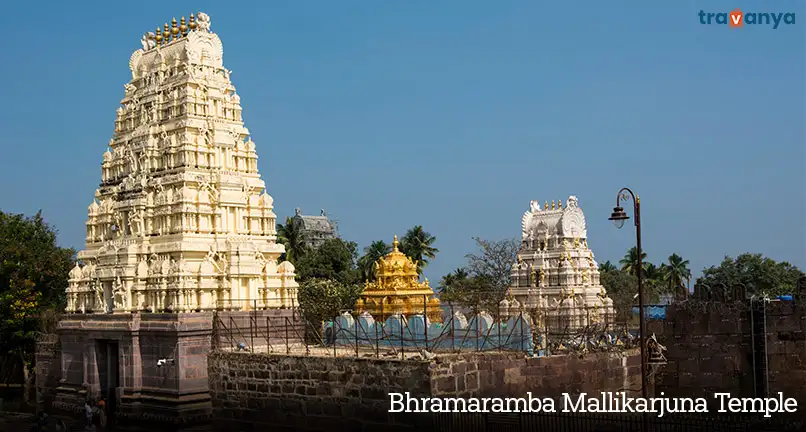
(395, 263)
(397, 289)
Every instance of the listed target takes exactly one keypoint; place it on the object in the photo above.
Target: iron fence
(407, 332)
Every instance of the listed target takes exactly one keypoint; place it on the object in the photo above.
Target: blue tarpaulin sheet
(652, 312)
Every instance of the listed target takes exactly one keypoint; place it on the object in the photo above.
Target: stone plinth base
(151, 368)
(148, 367)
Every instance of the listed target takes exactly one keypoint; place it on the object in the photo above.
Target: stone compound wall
(513, 375)
(713, 347)
(258, 391)
(48, 363)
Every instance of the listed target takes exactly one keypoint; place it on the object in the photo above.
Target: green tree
(473, 292)
(293, 238)
(607, 266)
(629, 263)
(334, 260)
(450, 280)
(33, 279)
(372, 254)
(653, 281)
(323, 300)
(759, 274)
(494, 263)
(675, 272)
(417, 244)
(622, 288)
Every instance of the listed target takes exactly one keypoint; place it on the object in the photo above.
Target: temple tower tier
(398, 290)
(556, 278)
(181, 221)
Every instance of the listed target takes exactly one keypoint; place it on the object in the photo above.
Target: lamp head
(618, 217)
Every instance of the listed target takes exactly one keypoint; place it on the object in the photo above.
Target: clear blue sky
(450, 114)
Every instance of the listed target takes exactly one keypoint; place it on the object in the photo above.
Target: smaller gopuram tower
(397, 290)
(556, 278)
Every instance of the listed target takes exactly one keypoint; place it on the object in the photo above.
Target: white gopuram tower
(181, 221)
(556, 278)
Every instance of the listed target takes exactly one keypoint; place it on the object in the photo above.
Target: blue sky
(452, 115)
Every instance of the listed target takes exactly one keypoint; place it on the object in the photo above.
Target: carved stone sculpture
(203, 21)
(148, 41)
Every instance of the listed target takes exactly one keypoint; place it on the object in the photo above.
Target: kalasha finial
(552, 205)
(560, 204)
(158, 36)
(192, 25)
(546, 206)
(183, 27)
(174, 28)
(166, 33)
(394, 244)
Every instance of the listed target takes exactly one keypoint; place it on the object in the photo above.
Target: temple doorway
(107, 357)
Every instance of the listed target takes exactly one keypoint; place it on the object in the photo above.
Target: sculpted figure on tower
(181, 220)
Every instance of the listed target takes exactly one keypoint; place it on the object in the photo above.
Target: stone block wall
(711, 349)
(257, 391)
(514, 375)
(48, 363)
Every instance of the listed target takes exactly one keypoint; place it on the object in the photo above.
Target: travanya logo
(736, 18)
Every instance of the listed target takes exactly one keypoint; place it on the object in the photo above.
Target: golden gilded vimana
(397, 289)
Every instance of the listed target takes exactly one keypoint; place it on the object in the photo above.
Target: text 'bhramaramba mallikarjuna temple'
(181, 221)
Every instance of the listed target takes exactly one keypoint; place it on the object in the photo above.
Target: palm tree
(653, 276)
(372, 254)
(451, 278)
(293, 239)
(675, 271)
(452, 284)
(606, 267)
(629, 263)
(417, 245)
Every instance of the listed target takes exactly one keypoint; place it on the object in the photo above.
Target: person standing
(88, 414)
(102, 413)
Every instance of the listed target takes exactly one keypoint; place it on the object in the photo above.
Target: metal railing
(394, 334)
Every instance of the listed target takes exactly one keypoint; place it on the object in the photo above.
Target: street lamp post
(618, 217)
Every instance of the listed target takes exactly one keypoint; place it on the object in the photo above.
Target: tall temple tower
(180, 238)
(181, 221)
(556, 278)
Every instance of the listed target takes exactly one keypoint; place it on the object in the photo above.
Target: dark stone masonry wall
(513, 375)
(719, 347)
(48, 363)
(257, 391)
